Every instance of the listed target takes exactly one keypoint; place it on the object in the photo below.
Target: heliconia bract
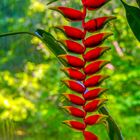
(75, 99)
(73, 60)
(97, 23)
(94, 4)
(94, 105)
(95, 119)
(73, 46)
(89, 136)
(83, 65)
(71, 32)
(75, 85)
(94, 80)
(96, 39)
(75, 111)
(94, 66)
(75, 125)
(74, 73)
(95, 53)
(69, 13)
(93, 93)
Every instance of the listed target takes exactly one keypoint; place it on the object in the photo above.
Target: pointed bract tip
(112, 17)
(107, 35)
(67, 122)
(53, 8)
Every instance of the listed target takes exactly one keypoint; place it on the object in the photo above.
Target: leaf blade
(51, 43)
(133, 18)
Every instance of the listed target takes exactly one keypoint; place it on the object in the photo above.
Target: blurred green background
(30, 86)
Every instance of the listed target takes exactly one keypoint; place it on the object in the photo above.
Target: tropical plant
(82, 64)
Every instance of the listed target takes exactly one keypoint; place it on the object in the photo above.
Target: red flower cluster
(84, 66)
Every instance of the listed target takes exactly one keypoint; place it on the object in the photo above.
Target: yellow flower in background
(36, 7)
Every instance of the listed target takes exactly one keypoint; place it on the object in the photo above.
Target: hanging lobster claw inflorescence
(83, 66)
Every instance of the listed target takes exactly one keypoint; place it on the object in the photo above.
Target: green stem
(18, 33)
(113, 129)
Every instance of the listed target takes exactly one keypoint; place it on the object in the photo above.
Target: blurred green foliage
(30, 86)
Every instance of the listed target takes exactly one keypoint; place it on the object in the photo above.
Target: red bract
(94, 105)
(96, 39)
(73, 60)
(82, 63)
(94, 119)
(75, 99)
(97, 23)
(90, 136)
(69, 13)
(75, 85)
(74, 73)
(75, 125)
(74, 46)
(75, 111)
(95, 66)
(95, 53)
(93, 93)
(94, 80)
(71, 32)
(94, 4)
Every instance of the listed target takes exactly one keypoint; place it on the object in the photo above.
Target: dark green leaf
(113, 129)
(133, 17)
(51, 1)
(138, 2)
(51, 43)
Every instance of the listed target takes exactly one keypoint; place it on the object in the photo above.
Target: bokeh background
(30, 86)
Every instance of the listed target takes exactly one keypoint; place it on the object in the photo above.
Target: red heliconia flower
(94, 80)
(72, 32)
(90, 136)
(73, 46)
(97, 23)
(75, 99)
(75, 85)
(94, 4)
(95, 53)
(81, 63)
(94, 93)
(75, 125)
(74, 73)
(94, 105)
(75, 111)
(95, 119)
(73, 60)
(96, 39)
(69, 13)
(95, 66)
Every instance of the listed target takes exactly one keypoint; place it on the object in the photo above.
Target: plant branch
(18, 33)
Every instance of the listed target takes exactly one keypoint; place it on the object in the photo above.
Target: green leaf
(51, 43)
(133, 18)
(138, 2)
(51, 1)
(112, 127)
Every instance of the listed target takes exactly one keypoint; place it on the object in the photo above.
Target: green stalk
(18, 33)
(112, 127)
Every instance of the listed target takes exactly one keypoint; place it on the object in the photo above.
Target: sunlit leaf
(133, 18)
(51, 43)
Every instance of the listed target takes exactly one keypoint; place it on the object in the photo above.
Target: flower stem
(18, 33)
